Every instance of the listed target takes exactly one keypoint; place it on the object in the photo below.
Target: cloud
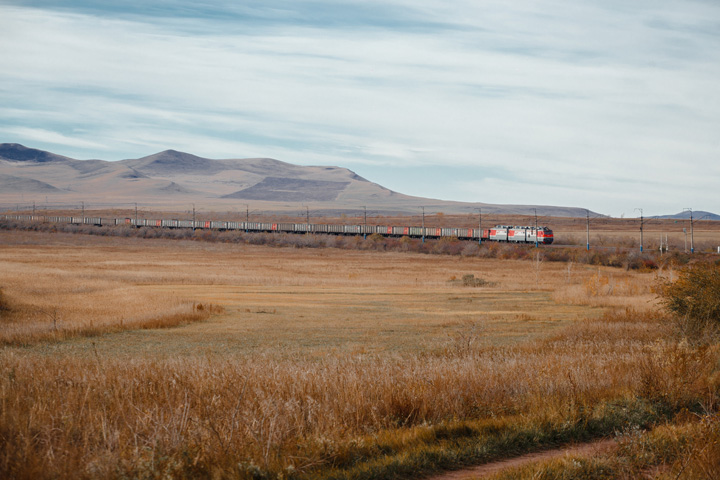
(549, 93)
(32, 135)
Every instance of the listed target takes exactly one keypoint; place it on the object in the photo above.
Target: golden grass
(321, 360)
(93, 415)
(55, 293)
(610, 287)
(87, 284)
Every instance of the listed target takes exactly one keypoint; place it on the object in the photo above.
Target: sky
(610, 105)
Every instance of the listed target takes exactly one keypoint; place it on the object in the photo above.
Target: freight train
(499, 233)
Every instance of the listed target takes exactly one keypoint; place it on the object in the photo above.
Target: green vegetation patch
(423, 450)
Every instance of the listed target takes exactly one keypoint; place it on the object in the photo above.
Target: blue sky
(607, 105)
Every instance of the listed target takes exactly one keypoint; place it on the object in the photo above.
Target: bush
(4, 304)
(695, 294)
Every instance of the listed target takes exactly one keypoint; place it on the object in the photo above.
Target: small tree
(695, 295)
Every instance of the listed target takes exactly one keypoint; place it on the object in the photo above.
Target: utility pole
(536, 229)
(587, 213)
(136, 224)
(247, 217)
(423, 224)
(193, 217)
(641, 228)
(479, 225)
(692, 231)
(365, 228)
(83, 211)
(692, 234)
(33, 208)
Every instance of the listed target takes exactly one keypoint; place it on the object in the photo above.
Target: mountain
(174, 180)
(26, 185)
(171, 162)
(19, 153)
(685, 215)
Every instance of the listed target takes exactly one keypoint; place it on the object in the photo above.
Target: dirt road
(481, 471)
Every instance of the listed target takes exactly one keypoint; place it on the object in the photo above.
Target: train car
(517, 234)
(545, 235)
(336, 229)
(449, 232)
(284, 227)
(257, 226)
(468, 233)
(367, 229)
(499, 233)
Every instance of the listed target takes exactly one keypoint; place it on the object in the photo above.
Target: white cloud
(48, 136)
(575, 91)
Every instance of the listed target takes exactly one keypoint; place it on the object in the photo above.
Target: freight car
(499, 233)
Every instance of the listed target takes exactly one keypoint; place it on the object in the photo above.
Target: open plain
(159, 358)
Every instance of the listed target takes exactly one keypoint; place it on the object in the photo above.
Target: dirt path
(484, 470)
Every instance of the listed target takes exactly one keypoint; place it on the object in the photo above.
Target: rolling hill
(174, 180)
(685, 215)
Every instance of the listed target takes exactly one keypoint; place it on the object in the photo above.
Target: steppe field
(127, 357)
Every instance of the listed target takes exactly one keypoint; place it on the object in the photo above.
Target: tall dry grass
(610, 287)
(61, 306)
(106, 417)
(55, 290)
(86, 413)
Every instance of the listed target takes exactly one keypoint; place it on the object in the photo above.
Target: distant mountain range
(174, 180)
(685, 215)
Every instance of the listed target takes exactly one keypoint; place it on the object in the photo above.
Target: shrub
(470, 249)
(695, 294)
(4, 304)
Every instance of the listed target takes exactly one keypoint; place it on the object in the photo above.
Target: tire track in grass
(481, 471)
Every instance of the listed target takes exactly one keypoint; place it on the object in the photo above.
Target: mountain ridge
(685, 215)
(21, 153)
(172, 179)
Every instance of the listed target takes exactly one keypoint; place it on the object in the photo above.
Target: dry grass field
(152, 358)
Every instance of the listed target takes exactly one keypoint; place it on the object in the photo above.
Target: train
(499, 233)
